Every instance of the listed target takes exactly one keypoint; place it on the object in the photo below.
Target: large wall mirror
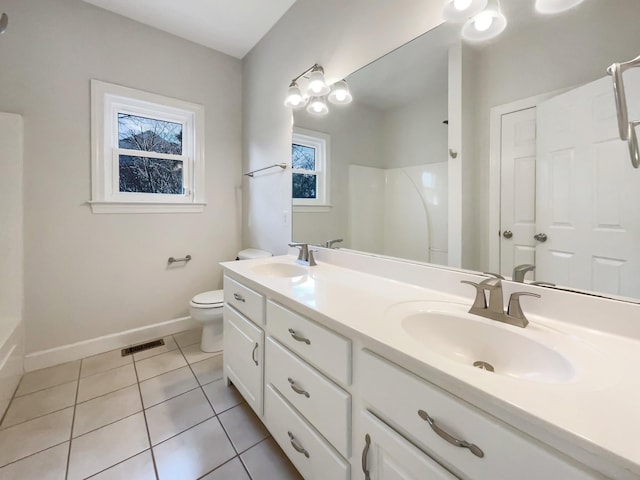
(544, 178)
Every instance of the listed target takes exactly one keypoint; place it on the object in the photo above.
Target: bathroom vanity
(362, 368)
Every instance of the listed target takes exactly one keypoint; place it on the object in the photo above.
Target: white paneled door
(518, 190)
(588, 195)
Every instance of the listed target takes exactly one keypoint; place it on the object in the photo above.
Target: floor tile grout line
(146, 423)
(105, 425)
(32, 454)
(219, 466)
(36, 417)
(120, 462)
(73, 421)
(13, 397)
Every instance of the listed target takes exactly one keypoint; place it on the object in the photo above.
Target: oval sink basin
(450, 331)
(278, 269)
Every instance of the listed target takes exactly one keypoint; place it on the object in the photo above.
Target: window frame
(321, 143)
(107, 100)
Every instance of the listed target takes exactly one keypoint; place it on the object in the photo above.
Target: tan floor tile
(208, 370)
(103, 448)
(193, 353)
(49, 464)
(106, 409)
(165, 362)
(177, 415)
(221, 396)
(232, 470)
(48, 377)
(40, 403)
(139, 467)
(168, 385)
(193, 453)
(169, 344)
(266, 461)
(103, 362)
(184, 339)
(35, 435)
(106, 382)
(243, 427)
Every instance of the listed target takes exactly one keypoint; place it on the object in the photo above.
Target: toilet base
(212, 337)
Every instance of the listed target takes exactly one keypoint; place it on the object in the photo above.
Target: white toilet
(206, 308)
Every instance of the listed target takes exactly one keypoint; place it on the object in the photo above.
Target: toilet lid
(209, 298)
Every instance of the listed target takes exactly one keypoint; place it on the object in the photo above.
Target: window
(310, 170)
(147, 152)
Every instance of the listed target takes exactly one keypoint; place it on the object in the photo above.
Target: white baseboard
(94, 346)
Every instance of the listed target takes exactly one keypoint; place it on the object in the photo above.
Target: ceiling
(233, 27)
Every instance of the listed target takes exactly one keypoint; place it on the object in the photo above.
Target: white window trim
(108, 99)
(322, 143)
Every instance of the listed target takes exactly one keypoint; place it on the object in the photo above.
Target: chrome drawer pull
(365, 452)
(298, 337)
(239, 297)
(253, 354)
(297, 389)
(297, 446)
(449, 438)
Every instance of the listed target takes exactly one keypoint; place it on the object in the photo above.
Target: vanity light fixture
(294, 98)
(317, 106)
(317, 92)
(317, 84)
(340, 94)
(551, 7)
(487, 24)
(461, 10)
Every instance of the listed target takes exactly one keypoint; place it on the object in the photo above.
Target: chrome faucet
(305, 256)
(520, 271)
(495, 309)
(329, 243)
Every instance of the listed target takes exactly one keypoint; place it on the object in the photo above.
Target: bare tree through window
(149, 174)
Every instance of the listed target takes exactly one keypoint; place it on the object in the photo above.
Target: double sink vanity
(371, 368)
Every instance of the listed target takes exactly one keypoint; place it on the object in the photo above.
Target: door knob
(541, 237)
(507, 234)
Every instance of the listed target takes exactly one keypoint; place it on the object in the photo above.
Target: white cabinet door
(243, 357)
(386, 455)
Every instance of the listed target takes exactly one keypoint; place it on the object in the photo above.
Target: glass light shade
(550, 7)
(486, 25)
(461, 10)
(340, 94)
(294, 99)
(317, 84)
(317, 106)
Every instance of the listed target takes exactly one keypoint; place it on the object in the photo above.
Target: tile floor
(162, 414)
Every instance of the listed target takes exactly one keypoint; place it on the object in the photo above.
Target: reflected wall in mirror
(539, 151)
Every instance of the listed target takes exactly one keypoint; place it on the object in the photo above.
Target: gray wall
(89, 275)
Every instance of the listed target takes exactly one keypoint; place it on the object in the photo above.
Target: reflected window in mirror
(310, 170)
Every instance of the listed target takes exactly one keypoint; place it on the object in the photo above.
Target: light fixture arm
(315, 67)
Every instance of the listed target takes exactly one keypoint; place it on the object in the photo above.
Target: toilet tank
(252, 253)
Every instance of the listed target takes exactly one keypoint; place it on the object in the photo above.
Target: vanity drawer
(506, 452)
(245, 300)
(318, 399)
(325, 349)
(314, 458)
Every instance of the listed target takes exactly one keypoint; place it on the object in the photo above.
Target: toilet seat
(211, 299)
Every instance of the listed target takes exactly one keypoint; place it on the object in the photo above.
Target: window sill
(145, 207)
(311, 208)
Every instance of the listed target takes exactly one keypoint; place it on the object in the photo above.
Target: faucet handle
(480, 301)
(312, 260)
(515, 309)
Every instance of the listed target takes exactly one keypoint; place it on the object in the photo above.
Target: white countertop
(595, 414)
